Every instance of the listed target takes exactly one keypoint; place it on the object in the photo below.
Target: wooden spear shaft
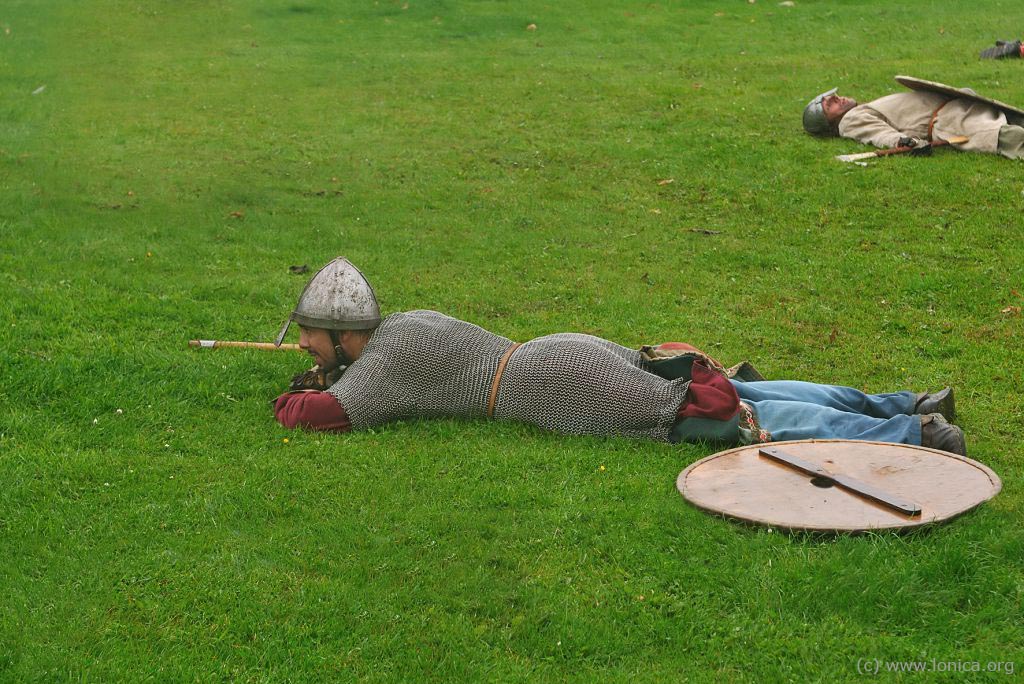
(955, 140)
(216, 344)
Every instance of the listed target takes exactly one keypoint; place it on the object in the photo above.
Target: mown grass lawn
(633, 170)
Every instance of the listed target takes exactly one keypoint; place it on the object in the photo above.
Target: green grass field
(162, 164)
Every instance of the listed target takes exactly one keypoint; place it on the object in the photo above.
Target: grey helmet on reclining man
(815, 121)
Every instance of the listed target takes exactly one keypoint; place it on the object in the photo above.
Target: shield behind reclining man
(914, 119)
(422, 364)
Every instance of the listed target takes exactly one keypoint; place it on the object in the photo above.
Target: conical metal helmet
(338, 297)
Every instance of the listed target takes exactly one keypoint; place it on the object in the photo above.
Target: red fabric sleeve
(711, 395)
(312, 410)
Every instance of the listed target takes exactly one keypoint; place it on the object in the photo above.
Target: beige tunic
(884, 121)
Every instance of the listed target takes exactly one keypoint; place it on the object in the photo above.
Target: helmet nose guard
(338, 297)
(815, 121)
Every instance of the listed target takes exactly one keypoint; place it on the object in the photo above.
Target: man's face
(835, 106)
(317, 343)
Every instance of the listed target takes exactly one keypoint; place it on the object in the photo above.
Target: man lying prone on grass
(423, 364)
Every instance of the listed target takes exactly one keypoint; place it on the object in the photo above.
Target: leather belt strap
(497, 378)
(935, 115)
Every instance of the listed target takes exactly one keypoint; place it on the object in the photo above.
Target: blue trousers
(790, 409)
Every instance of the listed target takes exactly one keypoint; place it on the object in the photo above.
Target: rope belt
(935, 115)
(497, 378)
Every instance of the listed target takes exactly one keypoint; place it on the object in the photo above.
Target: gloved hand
(918, 148)
(315, 379)
(922, 150)
(1003, 49)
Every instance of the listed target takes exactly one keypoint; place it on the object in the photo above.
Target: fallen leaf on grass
(39, 90)
(1014, 292)
(298, 270)
(832, 336)
(1011, 311)
(666, 181)
(531, 27)
(705, 231)
(237, 214)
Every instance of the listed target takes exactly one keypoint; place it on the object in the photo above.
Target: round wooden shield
(837, 485)
(936, 87)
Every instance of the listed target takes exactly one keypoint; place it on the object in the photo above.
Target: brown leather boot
(936, 433)
(937, 402)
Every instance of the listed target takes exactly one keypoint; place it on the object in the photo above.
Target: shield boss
(743, 484)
